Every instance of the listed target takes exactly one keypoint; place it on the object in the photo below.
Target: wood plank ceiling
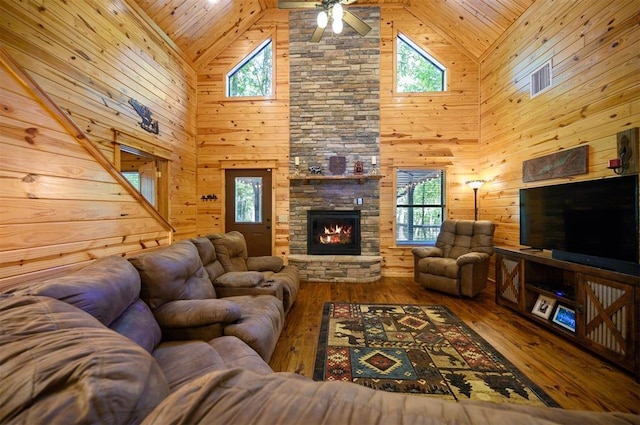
(203, 28)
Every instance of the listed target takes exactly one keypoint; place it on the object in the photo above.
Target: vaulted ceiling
(203, 28)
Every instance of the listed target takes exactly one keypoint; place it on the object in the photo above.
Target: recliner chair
(458, 264)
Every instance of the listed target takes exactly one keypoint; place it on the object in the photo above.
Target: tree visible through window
(420, 205)
(248, 200)
(253, 77)
(416, 70)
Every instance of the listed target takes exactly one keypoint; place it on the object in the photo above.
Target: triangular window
(416, 70)
(253, 76)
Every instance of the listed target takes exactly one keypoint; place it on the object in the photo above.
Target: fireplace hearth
(333, 232)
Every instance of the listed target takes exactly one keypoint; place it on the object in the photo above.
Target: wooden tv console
(605, 302)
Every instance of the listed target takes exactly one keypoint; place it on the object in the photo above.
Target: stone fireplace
(334, 112)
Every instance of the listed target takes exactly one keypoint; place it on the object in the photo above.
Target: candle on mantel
(373, 160)
(296, 160)
(615, 163)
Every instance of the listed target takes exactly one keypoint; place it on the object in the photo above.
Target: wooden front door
(248, 208)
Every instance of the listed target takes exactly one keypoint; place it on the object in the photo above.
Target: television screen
(593, 218)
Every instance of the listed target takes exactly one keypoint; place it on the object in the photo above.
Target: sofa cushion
(447, 267)
(231, 250)
(221, 353)
(261, 322)
(139, 325)
(104, 289)
(208, 257)
(59, 365)
(173, 272)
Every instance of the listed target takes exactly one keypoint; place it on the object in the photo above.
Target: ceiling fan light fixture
(337, 25)
(337, 12)
(323, 19)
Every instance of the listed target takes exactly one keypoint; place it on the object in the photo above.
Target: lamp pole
(475, 203)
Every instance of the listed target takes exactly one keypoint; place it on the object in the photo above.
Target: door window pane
(248, 200)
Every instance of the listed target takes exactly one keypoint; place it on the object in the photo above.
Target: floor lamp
(475, 185)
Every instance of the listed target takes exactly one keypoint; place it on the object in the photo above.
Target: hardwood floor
(575, 378)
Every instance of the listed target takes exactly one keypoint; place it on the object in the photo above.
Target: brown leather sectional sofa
(147, 340)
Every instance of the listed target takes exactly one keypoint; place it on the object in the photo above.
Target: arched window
(253, 76)
(416, 70)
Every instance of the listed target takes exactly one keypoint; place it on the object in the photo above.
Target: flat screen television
(591, 222)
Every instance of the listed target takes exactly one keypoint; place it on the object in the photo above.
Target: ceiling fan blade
(347, 2)
(317, 35)
(297, 5)
(356, 23)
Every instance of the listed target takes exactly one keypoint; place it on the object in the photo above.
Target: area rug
(423, 350)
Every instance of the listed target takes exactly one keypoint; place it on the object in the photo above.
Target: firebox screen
(334, 232)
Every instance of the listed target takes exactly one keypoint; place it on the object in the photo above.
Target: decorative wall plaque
(147, 123)
(561, 164)
(337, 164)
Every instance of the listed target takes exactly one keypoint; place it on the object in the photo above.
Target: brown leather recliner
(459, 262)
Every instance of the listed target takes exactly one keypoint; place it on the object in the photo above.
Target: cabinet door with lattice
(509, 281)
(606, 318)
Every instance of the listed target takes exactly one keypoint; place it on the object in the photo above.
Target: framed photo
(543, 306)
(565, 317)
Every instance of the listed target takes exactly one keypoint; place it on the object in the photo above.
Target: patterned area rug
(424, 350)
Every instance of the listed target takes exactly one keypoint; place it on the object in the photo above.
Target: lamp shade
(337, 25)
(337, 12)
(323, 19)
(475, 184)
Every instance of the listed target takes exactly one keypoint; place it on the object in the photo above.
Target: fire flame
(335, 234)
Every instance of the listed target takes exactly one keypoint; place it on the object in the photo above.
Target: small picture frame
(543, 306)
(565, 317)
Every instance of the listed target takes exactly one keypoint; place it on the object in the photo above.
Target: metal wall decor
(565, 163)
(147, 122)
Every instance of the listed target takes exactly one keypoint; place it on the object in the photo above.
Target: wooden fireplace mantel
(361, 178)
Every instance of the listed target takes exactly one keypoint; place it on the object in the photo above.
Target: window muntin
(253, 76)
(416, 70)
(420, 205)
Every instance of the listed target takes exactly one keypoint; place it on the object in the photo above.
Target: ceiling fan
(331, 10)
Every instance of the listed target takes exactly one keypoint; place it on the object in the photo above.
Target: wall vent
(541, 79)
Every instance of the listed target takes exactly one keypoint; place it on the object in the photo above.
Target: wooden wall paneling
(595, 95)
(239, 132)
(61, 203)
(439, 130)
(91, 58)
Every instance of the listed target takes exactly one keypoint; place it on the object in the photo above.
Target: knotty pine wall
(435, 130)
(90, 58)
(245, 133)
(593, 46)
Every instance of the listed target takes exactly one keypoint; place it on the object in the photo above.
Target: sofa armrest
(192, 313)
(265, 263)
(239, 280)
(427, 251)
(472, 258)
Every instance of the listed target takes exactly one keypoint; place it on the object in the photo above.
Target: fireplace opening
(333, 232)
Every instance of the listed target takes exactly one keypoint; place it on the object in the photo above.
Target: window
(133, 177)
(248, 200)
(147, 173)
(253, 77)
(416, 70)
(420, 205)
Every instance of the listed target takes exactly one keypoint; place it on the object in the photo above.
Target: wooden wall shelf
(361, 178)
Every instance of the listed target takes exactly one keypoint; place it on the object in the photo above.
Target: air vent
(541, 79)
